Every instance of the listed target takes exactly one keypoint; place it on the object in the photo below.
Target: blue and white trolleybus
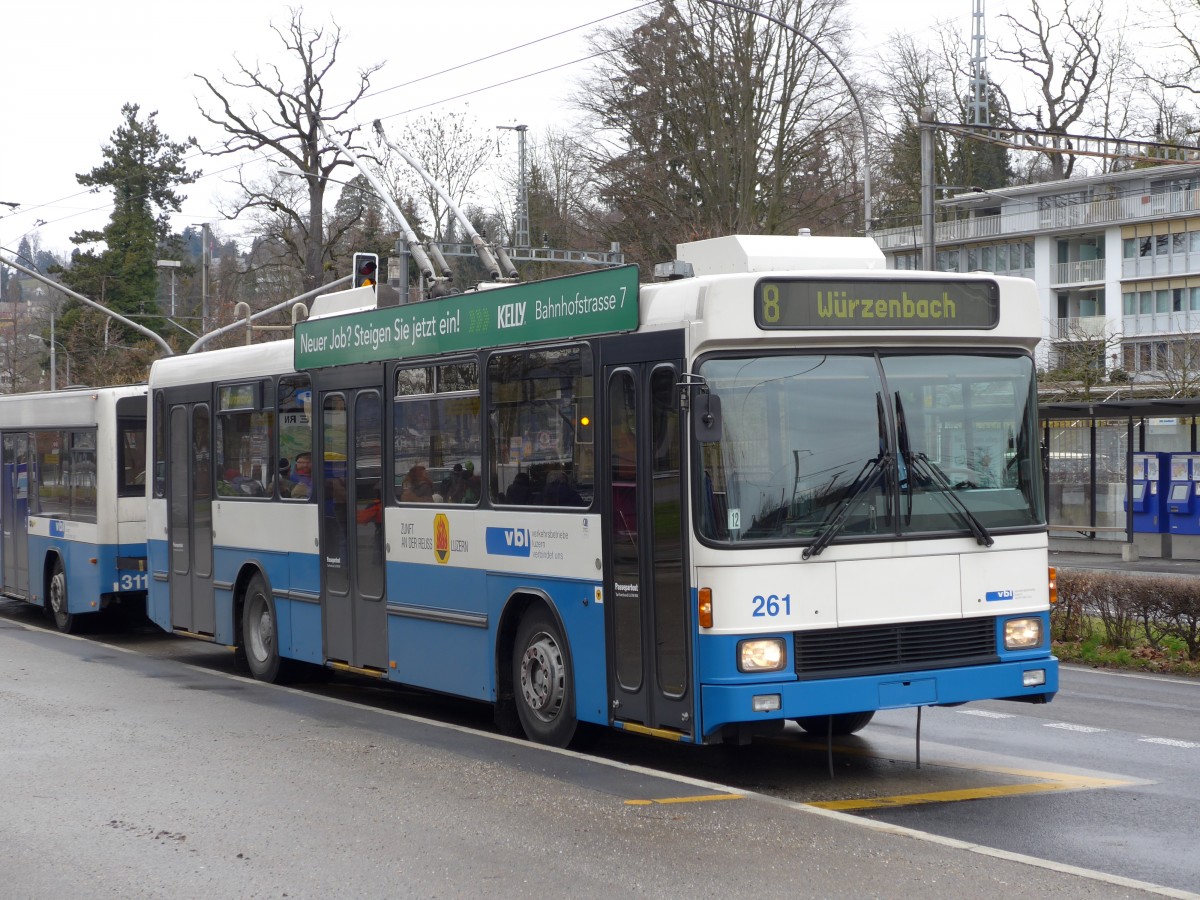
(793, 485)
(72, 499)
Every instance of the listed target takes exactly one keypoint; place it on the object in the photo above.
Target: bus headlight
(1022, 634)
(761, 655)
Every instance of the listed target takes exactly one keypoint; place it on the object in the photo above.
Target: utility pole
(205, 262)
(927, 185)
(979, 80)
(522, 237)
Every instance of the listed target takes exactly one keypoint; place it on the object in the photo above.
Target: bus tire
(543, 684)
(260, 633)
(56, 601)
(843, 723)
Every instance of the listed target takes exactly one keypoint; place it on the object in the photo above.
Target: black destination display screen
(876, 303)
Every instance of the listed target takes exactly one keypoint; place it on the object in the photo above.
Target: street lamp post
(173, 265)
(40, 292)
(52, 344)
(849, 87)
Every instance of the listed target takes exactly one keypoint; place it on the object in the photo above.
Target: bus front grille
(877, 649)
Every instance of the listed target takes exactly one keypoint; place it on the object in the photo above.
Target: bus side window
(293, 479)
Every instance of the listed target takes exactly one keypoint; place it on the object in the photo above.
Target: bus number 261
(772, 605)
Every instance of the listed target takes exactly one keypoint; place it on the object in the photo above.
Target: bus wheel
(64, 620)
(544, 689)
(843, 723)
(259, 633)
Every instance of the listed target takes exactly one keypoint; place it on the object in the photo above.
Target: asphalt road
(154, 772)
(1141, 732)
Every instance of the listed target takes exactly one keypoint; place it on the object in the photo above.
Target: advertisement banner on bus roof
(600, 302)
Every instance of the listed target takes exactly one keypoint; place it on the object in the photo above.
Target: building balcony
(1023, 218)
(1082, 271)
(1079, 328)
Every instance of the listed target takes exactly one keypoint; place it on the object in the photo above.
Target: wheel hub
(56, 594)
(262, 636)
(543, 677)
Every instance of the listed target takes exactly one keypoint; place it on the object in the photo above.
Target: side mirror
(706, 418)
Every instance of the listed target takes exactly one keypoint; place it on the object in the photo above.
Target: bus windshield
(869, 446)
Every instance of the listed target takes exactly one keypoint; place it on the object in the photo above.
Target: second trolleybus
(792, 486)
(72, 499)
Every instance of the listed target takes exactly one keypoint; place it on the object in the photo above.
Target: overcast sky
(67, 67)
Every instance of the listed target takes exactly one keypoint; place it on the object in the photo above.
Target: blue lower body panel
(93, 576)
(726, 704)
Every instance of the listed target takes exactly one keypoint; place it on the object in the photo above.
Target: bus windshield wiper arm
(905, 457)
(868, 477)
(932, 472)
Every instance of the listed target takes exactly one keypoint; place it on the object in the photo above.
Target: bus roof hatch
(779, 253)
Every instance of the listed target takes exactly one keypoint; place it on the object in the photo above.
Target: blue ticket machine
(1183, 496)
(1150, 487)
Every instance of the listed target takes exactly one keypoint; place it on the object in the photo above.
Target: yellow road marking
(702, 798)
(1054, 782)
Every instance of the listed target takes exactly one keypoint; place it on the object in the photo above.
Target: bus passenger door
(189, 502)
(647, 608)
(14, 514)
(350, 491)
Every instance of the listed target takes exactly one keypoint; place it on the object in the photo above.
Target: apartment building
(1116, 259)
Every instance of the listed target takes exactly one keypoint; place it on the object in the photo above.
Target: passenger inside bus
(521, 490)
(301, 477)
(417, 486)
(558, 490)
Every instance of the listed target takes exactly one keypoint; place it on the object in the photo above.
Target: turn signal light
(705, 615)
(1053, 585)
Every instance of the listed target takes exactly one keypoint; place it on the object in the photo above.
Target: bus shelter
(1089, 449)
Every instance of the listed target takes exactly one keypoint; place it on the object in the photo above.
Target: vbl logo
(508, 541)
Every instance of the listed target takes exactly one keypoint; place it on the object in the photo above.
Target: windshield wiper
(938, 477)
(868, 477)
(905, 479)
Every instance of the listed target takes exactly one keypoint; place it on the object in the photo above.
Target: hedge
(1132, 609)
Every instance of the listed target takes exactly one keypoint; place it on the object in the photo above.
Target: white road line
(1170, 742)
(984, 714)
(1140, 676)
(1067, 726)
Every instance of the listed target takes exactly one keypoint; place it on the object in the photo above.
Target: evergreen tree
(143, 169)
(976, 162)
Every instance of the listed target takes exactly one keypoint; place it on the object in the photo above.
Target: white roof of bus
(254, 361)
(75, 406)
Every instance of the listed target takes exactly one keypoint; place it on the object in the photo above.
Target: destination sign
(600, 302)
(876, 303)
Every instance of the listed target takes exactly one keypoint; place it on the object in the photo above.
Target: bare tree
(1178, 363)
(262, 108)
(1063, 52)
(563, 207)
(1077, 362)
(912, 77)
(1181, 73)
(709, 121)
